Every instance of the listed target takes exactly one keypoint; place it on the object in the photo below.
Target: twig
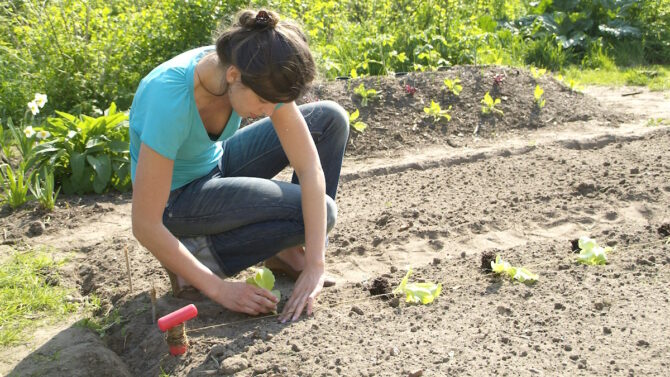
(153, 303)
(130, 277)
(631, 94)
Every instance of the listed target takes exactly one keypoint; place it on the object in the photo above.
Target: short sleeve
(161, 116)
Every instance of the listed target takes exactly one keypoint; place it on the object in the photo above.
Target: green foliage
(489, 105)
(423, 293)
(43, 188)
(88, 154)
(365, 94)
(264, 278)
(29, 294)
(357, 125)
(15, 185)
(539, 97)
(521, 274)
(454, 86)
(590, 253)
(537, 73)
(101, 325)
(436, 112)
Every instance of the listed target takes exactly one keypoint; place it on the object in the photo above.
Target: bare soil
(434, 197)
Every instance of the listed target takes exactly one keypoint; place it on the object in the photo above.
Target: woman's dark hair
(272, 55)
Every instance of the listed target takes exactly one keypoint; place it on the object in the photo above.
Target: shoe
(183, 292)
(277, 265)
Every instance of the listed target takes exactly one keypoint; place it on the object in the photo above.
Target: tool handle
(178, 316)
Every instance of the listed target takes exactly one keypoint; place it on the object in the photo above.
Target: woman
(200, 184)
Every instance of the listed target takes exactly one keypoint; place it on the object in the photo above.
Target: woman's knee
(339, 116)
(331, 213)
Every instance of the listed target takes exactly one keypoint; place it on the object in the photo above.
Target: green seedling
(574, 86)
(454, 86)
(263, 278)
(436, 112)
(423, 293)
(357, 125)
(366, 94)
(489, 105)
(655, 122)
(521, 274)
(590, 253)
(539, 96)
(43, 189)
(537, 73)
(14, 185)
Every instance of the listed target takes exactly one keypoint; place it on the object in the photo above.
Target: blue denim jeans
(244, 215)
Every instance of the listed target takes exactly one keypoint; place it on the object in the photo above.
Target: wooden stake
(130, 277)
(153, 303)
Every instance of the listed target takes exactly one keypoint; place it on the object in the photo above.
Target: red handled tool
(173, 323)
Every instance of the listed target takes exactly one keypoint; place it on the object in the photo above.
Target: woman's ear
(232, 74)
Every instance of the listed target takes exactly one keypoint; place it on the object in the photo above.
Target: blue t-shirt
(164, 116)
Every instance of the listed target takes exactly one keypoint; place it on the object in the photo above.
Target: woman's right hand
(245, 298)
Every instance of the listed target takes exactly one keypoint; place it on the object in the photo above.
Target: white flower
(97, 111)
(29, 131)
(40, 99)
(33, 107)
(42, 134)
(71, 134)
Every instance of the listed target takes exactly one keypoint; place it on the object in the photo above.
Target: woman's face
(245, 101)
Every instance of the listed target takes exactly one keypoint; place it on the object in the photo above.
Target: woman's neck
(209, 82)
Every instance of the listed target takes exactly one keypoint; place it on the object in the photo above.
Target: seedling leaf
(264, 278)
(521, 274)
(591, 253)
(423, 293)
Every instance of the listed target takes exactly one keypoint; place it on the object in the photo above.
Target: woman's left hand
(307, 287)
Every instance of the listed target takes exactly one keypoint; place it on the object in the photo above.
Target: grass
(30, 294)
(655, 77)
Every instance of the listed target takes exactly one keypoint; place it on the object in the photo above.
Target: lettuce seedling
(366, 94)
(591, 253)
(358, 126)
(489, 105)
(436, 111)
(537, 73)
(521, 274)
(423, 293)
(539, 96)
(263, 278)
(454, 86)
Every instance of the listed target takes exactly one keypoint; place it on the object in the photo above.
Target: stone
(234, 365)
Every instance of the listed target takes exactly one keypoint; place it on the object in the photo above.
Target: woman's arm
(299, 147)
(151, 190)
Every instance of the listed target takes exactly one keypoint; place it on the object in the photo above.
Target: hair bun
(258, 20)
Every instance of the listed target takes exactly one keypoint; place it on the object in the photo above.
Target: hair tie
(262, 18)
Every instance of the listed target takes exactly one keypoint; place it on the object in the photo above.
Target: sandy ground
(436, 207)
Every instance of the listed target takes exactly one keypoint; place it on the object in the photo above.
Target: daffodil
(34, 108)
(29, 131)
(40, 99)
(43, 134)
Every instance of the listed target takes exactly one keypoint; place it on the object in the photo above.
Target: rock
(437, 261)
(567, 347)
(234, 365)
(607, 330)
(394, 302)
(217, 350)
(357, 310)
(394, 351)
(394, 269)
(574, 357)
(642, 343)
(36, 228)
(295, 348)
(559, 306)
(417, 373)
(635, 171)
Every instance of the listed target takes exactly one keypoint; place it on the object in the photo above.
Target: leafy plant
(423, 293)
(23, 139)
(88, 154)
(521, 274)
(489, 105)
(590, 253)
(263, 278)
(539, 96)
(357, 125)
(537, 73)
(454, 86)
(498, 79)
(14, 184)
(43, 188)
(436, 112)
(366, 94)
